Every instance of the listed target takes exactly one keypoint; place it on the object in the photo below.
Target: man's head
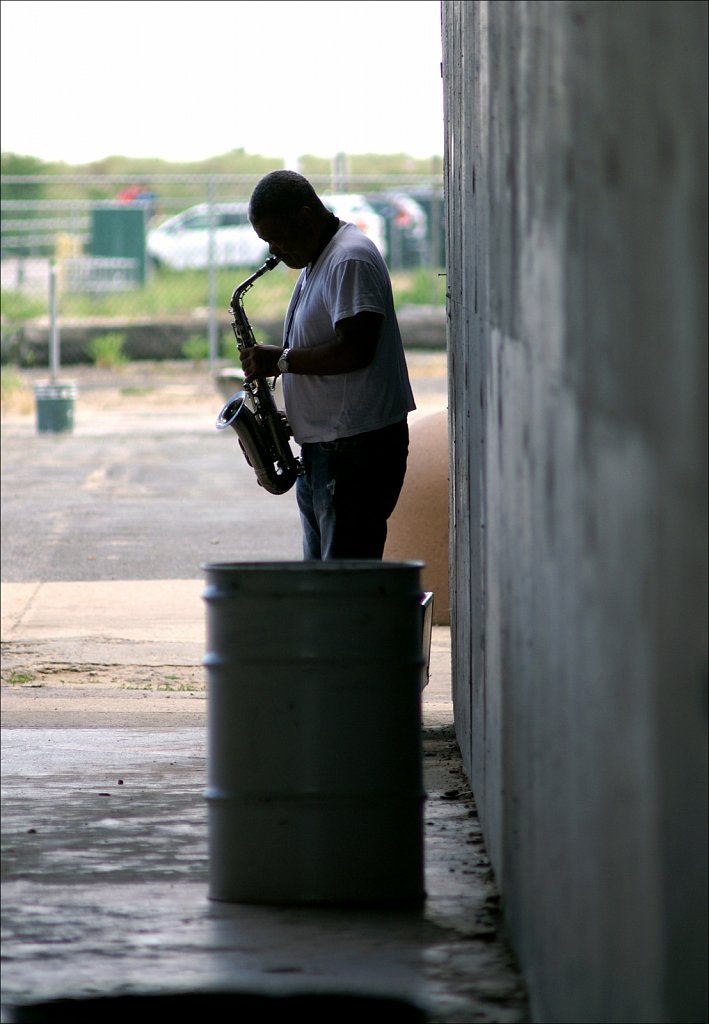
(286, 212)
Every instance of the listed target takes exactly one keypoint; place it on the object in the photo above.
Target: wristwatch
(283, 361)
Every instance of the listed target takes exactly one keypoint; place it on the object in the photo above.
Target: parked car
(406, 228)
(432, 203)
(355, 209)
(183, 242)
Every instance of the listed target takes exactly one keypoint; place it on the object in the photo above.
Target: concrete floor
(105, 868)
(105, 856)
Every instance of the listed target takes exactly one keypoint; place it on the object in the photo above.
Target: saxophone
(262, 430)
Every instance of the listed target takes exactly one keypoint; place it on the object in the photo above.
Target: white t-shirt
(350, 277)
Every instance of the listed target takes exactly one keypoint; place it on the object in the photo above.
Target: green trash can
(120, 233)
(54, 402)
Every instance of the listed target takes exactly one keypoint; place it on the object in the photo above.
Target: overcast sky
(191, 79)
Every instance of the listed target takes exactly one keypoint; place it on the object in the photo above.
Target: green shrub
(107, 350)
(227, 346)
(196, 348)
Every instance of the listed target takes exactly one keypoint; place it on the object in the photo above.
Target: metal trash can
(54, 402)
(314, 790)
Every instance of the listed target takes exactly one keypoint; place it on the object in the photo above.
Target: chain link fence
(151, 264)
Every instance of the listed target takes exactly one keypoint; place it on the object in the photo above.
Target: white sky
(191, 79)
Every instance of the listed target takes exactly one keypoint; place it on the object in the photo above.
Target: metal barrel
(54, 401)
(314, 788)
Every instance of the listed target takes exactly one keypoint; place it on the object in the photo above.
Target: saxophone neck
(242, 288)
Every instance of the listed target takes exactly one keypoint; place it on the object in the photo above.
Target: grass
(179, 293)
(168, 687)
(18, 306)
(15, 395)
(425, 286)
(171, 293)
(179, 687)
(16, 678)
(10, 382)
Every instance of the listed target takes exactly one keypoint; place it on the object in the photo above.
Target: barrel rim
(331, 565)
(55, 389)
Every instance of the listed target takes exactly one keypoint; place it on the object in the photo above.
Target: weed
(10, 381)
(107, 350)
(179, 688)
(15, 395)
(19, 678)
(196, 348)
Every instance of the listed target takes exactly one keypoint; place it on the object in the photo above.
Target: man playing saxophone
(345, 382)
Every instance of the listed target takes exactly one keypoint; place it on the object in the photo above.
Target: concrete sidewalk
(119, 622)
(96, 639)
(105, 836)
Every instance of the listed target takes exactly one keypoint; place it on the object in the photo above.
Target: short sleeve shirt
(350, 277)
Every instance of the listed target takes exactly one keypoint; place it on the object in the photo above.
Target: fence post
(213, 327)
(53, 324)
(339, 173)
(54, 400)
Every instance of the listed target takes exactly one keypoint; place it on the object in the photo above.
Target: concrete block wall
(576, 169)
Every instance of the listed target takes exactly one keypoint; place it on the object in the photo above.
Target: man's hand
(260, 361)
(352, 349)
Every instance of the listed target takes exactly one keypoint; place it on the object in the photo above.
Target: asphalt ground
(104, 703)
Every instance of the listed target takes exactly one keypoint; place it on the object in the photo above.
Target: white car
(183, 242)
(355, 209)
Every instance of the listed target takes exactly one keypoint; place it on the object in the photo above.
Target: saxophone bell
(276, 475)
